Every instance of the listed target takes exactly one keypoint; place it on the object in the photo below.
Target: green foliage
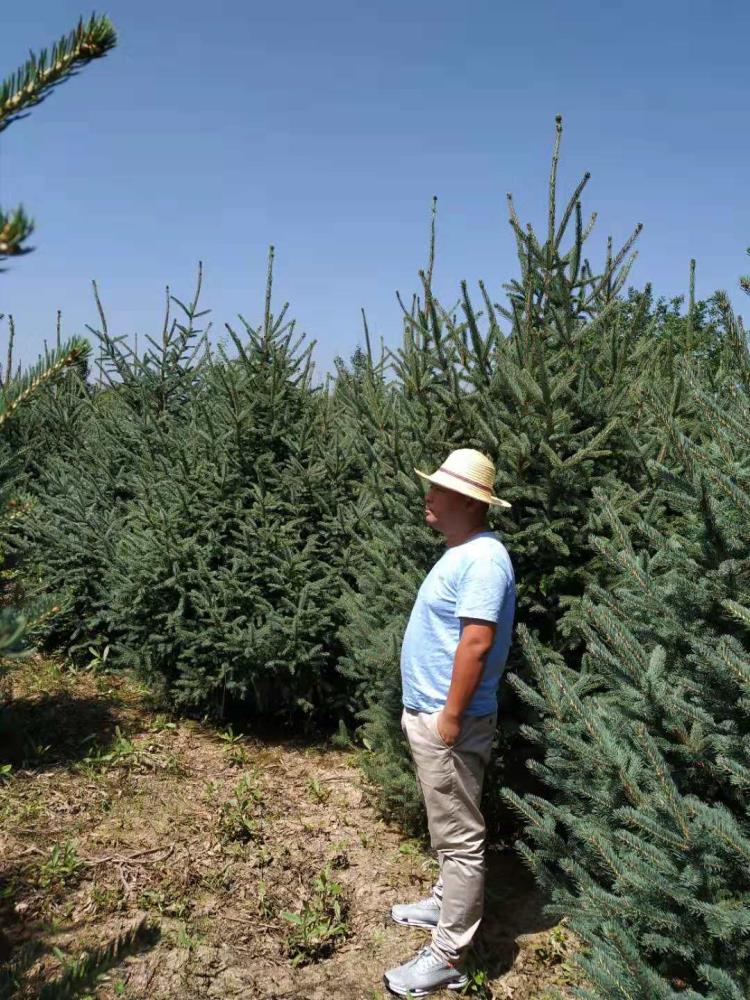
(646, 839)
(29, 85)
(25, 88)
(62, 868)
(83, 443)
(15, 394)
(321, 925)
(224, 579)
(240, 818)
(234, 747)
(317, 791)
(550, 399)
(252, 541)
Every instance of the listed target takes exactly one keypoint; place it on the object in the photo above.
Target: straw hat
(469, 472)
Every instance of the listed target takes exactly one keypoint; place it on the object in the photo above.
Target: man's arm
(475, 643)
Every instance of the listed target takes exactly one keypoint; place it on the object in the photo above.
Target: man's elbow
(477, 637)
(478, 646)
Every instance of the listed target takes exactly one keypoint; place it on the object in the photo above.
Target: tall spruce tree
(84, 443)
(548, 399)
(226, 572)
(644, 840)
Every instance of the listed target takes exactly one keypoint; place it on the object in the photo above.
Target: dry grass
(173, 857)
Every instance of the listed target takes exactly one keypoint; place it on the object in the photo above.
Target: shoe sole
(423, 993)
(414, 923)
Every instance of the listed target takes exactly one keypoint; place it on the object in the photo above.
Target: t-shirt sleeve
(482, 589)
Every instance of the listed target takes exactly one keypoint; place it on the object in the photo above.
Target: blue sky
(214, 130)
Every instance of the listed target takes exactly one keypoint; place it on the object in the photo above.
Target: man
(452, 658)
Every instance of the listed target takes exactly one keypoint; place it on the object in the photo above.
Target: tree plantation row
(251, 542)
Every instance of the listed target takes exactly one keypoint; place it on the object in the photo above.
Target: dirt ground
(149, 857)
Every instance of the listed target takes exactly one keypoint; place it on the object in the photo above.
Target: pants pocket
(433, 728)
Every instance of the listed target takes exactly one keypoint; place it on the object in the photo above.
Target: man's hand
(448, 727)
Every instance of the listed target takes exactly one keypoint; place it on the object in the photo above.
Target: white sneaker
(424, 974)
(423, 913)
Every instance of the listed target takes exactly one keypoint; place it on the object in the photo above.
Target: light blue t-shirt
(472, 580)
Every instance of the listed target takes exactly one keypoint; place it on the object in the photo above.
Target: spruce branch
(30, 84)
(15, 228)
(18, 392)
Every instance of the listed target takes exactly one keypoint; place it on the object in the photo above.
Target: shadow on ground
(76, 975)
(53, 730)
(514, 906)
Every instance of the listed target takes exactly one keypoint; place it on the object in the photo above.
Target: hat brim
(466, 489)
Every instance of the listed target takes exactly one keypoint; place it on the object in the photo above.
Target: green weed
(478, 984)
(321, 925)
(160, 723)
(166, 905)
(122, 751)
(234, 747)
(129, 755)
(240, 816)
(555, 948)
(81, 972)
(186, 940)
(62, 868)
(317, 791)
(98, 659)
(266, 909)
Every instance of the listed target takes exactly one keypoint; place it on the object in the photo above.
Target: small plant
(161, 723)
(186, 940)
(234, 747)
(82, 972)
(410, 848)
(107, 900)
(240, 816)
(340, 856)
(317, 791)
(342, 739)
(266, 908)
(478, 984)
(98, 658)
(126, 753)
(321, 926)
(121, 752)
(62, 867)
(555, 948)
(163, 903)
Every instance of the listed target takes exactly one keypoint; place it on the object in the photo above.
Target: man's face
(445, 510)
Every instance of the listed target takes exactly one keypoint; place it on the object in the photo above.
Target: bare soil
(166, 854)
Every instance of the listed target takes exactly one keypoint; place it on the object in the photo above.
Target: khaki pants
(451, 780)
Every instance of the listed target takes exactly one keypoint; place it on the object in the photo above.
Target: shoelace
(424, 953)
(427, 953)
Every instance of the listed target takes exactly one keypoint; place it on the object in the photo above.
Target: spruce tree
(543, 385)
(644, 838)
(84, 443)
(224, 582)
